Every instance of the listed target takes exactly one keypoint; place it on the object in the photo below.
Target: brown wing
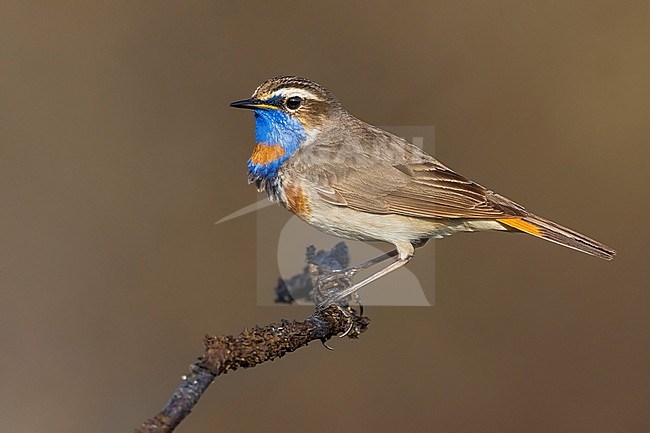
(424, 190)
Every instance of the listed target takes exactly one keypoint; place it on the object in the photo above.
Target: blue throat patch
(275, 128)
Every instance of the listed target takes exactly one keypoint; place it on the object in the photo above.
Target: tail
(550, 231)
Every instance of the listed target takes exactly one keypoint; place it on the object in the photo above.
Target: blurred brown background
(118, 152)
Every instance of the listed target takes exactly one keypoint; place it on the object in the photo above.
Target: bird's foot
(332, 288)
(354, 321)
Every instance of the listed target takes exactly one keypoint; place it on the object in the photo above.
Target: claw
(324, 343)
(347, 331)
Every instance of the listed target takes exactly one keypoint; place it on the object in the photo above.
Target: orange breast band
(265, 154)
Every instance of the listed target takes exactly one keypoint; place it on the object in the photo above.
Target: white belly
(351, 224)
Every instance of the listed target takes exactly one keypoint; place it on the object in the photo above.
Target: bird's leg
(404, 253)
(353, 270)
(401, 261)
(374, 261)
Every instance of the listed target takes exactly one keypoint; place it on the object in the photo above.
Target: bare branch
(260, 344)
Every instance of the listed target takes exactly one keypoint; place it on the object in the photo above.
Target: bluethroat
(356, 181)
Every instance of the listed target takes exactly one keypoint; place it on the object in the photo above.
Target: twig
(258, 345)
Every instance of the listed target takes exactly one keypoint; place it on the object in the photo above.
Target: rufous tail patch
(520, 224)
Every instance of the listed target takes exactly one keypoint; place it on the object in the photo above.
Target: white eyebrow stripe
(294, 91)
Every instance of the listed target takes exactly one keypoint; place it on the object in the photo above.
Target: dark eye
(294, 102)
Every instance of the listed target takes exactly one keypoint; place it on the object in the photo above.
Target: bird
(356, 181)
